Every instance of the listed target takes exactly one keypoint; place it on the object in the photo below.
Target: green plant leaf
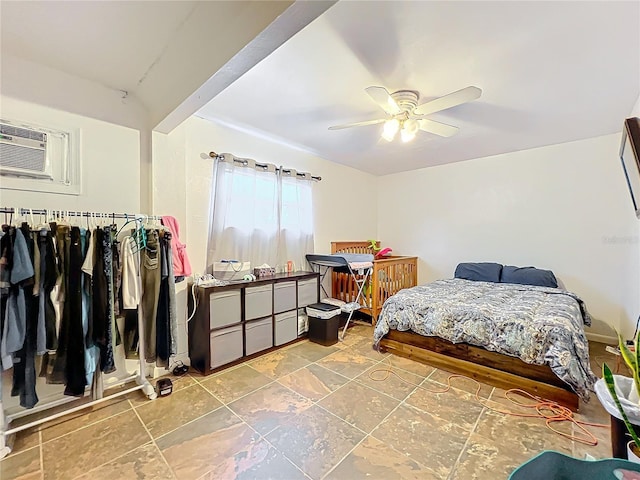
(608, 379)
(628, 356)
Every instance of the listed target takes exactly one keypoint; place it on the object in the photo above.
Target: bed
(506, 335)
(389, 275)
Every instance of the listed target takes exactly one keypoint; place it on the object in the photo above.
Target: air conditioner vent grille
(14, 156)
(22, 132)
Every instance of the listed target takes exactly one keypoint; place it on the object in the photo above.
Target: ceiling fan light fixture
(407, 135)
(390, 129)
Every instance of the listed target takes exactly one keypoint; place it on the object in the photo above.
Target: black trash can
(324, 322)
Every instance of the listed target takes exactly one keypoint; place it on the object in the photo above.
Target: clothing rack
(73, 213)
(98, 391)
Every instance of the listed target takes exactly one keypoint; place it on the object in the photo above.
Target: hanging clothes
(150, 273)
(70, 353)
(131, 293)
(103, 313)
(21, 319)
(163, 326)
(91, 351)
(180, 259)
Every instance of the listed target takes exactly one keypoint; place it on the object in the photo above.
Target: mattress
(539, 325)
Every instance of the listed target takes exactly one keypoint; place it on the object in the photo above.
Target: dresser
(243, 319)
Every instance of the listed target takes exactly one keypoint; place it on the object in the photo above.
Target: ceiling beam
(207, 56)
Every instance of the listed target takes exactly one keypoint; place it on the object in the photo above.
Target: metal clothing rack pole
(139, 377)
(75, 213)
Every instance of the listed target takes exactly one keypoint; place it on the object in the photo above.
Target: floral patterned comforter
(539, 325)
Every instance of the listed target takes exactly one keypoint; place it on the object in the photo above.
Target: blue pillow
(528, 276)
(479, 272)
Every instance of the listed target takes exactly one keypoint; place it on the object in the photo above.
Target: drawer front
(258, 335)
(286, 327)
(226, 346)
(284, 297)
(258, 302)
(307, 292)
(224, 308)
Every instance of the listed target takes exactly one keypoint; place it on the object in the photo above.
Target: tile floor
(303, 412)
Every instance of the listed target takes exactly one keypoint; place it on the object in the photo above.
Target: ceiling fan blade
(381, 96)
(438, 128)
(358, 124)
(456, 98)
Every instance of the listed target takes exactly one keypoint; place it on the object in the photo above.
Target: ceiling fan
(407, 116)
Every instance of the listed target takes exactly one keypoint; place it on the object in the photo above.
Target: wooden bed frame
(493, 368)
(390, 275)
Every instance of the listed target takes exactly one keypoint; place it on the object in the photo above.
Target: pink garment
(181, 265)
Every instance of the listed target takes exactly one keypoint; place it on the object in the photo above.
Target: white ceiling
(171, 56)
(112, 43)
(551, 72)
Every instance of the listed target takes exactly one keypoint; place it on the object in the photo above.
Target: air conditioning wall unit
(39, 158)
(25, 152)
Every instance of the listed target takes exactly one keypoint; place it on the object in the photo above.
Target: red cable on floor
(551, 411)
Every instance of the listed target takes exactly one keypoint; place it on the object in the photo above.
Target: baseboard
(596, 337)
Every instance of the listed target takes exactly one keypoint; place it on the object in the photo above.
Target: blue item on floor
(551, 465)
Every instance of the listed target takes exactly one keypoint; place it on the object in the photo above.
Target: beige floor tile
(71, 455)
(461, 383)
(527, 435)
(365, 331)
(313, 381)
(138, 398)
(197, 448)
(427, 439)
(312, 351)
(349, 340)
(601, 450)
(82, 418)
(256, 461)
(365, 348)
(143, 463)
(486, 459)
(21, 466)
(390, 380)
(346, 363)
(373, 459)
(412, 366)
(25, 439)
(456, 406)
(167, 413)
(279, 363)
(269, 406)
(233, 384)
(359, 405)
(314, 441)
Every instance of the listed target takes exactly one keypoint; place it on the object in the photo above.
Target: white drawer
(307, 292)
(224, 308)
(258, 301)
(226, 346)
(284, 297)
(258, 335)
(286, 327)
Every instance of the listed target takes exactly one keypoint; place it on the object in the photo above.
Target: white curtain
(259, 214)
(296, 218)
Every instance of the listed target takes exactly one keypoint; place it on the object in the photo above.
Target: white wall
(109, 156)
(344, 204)
(62, 92)
(563, 207)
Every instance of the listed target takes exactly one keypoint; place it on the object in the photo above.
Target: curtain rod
(73, 213)
(215, 155)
